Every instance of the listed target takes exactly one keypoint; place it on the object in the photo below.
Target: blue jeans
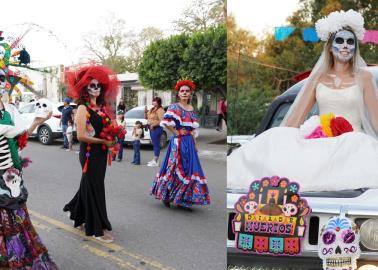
(136, 147)
(65, 140)
(155, 135)
(120, 151)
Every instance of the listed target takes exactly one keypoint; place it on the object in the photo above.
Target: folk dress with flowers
(313, 159)
(181, 180)
(20, 245)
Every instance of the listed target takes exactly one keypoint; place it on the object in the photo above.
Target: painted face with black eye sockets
(344, 45)
(94, 88)
(2, 81)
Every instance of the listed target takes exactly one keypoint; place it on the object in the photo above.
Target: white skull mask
(42, 108)
(2, 80)
(94, 88)
(339, 244)
(344, 45)
(12, 180)
(250, 207)
(2, 52)
(289, 209)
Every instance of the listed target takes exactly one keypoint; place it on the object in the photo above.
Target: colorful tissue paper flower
(325, 120)
(22, 140)
(317, 133)
(340, 125)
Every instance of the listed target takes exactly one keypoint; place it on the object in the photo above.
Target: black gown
(88, 205)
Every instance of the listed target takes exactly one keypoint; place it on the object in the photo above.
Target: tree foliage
(201, 15)
(200, 57)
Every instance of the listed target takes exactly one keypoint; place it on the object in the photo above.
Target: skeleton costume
(20, 245)
(348, 161)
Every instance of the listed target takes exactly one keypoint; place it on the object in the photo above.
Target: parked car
(360, 205)
(137, 114)
(49, 130)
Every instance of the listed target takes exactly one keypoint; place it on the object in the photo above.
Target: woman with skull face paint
(339, 84)
(94, 88)
(21, 246)
(181, 180)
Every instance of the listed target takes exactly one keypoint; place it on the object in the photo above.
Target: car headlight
(369, 234)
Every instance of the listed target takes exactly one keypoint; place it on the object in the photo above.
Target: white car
(137, 114)
(49, 130)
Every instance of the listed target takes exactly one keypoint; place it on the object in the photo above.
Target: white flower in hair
(338, 20)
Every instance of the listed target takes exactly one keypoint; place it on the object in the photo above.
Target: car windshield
(135, 114)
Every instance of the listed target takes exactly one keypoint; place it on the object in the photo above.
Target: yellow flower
(325, 122)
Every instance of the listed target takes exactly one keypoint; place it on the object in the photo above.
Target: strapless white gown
(348, 161)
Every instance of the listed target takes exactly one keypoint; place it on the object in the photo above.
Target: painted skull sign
(339, 244)
(271, 218)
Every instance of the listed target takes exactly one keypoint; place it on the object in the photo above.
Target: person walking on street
(221, 112)
(94, 88)
(121, 105)
(66, 116)
(181, 180)
(154, 116)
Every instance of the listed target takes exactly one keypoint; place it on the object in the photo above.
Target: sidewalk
(212, 144)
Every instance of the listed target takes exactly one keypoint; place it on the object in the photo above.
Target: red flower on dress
(22, 140)
(340, 125)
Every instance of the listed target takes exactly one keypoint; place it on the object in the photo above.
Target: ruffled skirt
(20, 246)
(181, 180)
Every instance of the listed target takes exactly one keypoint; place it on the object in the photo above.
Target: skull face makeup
(94, 88)
(12, 180)
(344, 45)
(42, 108)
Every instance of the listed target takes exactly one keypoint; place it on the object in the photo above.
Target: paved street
(148, 235)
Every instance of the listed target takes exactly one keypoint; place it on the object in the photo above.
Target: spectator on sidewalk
(121, 122)
(66, 116)
(69, 134)
(221, 112)
(137, 135)
(121, 105)
(154, 116)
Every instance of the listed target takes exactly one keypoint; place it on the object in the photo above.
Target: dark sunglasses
(340, 40)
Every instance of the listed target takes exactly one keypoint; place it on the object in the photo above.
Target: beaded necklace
(105, 121)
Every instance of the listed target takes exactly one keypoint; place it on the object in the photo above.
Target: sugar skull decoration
(42, 108)
(271, 218)
(339, 244)
(344, 45)
(12, 179)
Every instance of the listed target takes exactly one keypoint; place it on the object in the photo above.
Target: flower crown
(339, 20)
(188, 83)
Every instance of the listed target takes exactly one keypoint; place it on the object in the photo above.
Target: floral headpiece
(339, 20)
(188, 83)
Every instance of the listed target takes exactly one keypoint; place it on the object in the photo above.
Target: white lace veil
(368, 102)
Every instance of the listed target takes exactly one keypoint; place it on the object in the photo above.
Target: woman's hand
(110, 144)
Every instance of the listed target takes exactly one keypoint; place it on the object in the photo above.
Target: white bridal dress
(348, 161)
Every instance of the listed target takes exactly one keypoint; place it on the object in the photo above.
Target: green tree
(200, 57)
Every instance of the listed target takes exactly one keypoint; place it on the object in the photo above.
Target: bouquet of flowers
(110, 133)
(324, 126)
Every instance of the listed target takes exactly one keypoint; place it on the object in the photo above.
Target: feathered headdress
(339, 20)
(188, 83)
(78, 78)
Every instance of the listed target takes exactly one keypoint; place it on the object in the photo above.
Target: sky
(58, 26)
(260, 16)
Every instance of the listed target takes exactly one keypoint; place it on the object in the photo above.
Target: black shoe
(119, 160)
(167, 204)
(185, 208)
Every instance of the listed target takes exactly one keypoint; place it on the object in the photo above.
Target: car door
(27, 114)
